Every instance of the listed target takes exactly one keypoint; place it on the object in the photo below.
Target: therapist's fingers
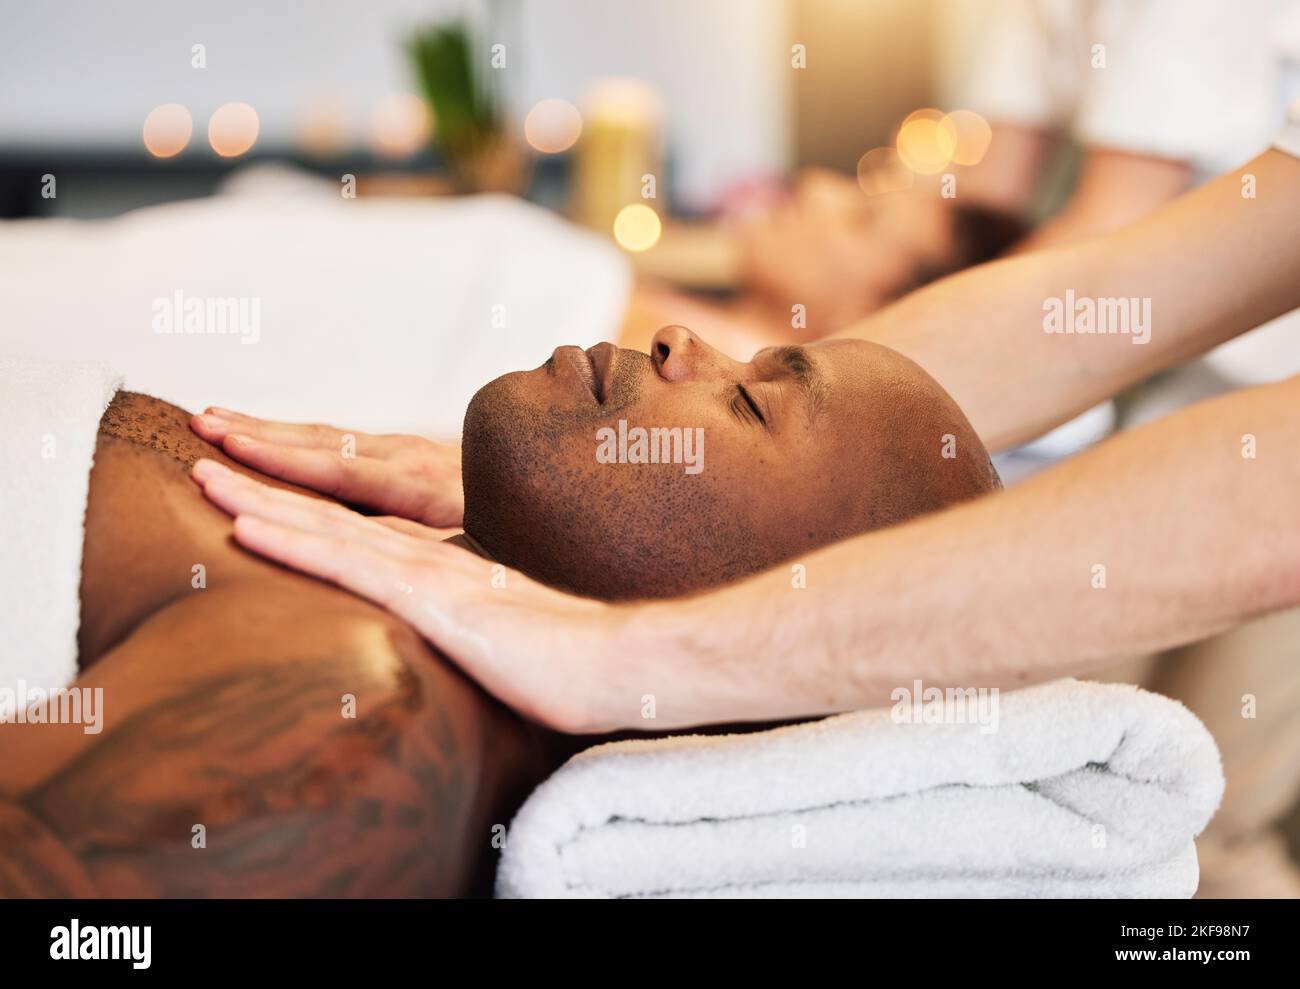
(526, 643)
(400, 582)
(225, 421)
(235, 493)
(352, 564)
(215, 425)
(529, 645)
(416, 530)
(361, 479)
(394, 474)
(239, 495)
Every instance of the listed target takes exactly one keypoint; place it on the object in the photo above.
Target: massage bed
(387, 316)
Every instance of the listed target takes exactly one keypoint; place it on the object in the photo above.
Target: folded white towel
(51, 413)
(1081, 789)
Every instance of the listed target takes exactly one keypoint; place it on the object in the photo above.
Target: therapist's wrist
(707, 659)
(640, 651)
(649, 668)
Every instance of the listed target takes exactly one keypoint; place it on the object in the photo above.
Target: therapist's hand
(407, 476)
(540, 651)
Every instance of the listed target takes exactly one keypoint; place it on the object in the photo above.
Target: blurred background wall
(869, 65)
(79, 77)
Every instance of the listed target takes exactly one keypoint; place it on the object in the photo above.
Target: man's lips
(603, 357)
(593, 368)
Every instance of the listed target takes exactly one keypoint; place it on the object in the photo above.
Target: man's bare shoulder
(147, 525)
(153, 424)
(150, 422)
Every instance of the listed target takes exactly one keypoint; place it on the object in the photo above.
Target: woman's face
(619, 474)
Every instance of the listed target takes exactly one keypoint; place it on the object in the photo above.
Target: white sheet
(374, 314)
(51, 414)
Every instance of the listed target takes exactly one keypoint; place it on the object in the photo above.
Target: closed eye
(745, 405)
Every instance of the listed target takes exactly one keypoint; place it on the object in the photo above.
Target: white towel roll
(1082, 789)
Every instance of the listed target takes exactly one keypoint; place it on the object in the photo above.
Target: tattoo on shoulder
(257, 782)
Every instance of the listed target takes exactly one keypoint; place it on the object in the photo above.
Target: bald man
(269, 735)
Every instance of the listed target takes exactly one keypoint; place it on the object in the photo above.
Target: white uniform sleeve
(1192, 80)
(1016, 77)
(1288, 138)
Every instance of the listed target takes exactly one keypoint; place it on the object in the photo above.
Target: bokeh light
(323, 126)
(973, 136)
(167, 130)
(637, 227)
(233, 129)
(400, 126)
(882, 170)
(625, 101)
(926, 141)
(552, 126)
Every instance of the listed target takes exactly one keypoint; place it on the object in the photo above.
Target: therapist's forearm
(1192, 536)
(1114, 189)
(1214, 264)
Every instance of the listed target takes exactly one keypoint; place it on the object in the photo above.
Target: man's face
(757, 462)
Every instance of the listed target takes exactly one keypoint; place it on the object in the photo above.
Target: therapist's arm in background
(1114, 188)
(1157, 537)
(1213, 264)
(828, 248)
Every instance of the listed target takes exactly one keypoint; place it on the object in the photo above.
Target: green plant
(467, 121)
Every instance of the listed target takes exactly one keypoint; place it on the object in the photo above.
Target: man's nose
(680, 355)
